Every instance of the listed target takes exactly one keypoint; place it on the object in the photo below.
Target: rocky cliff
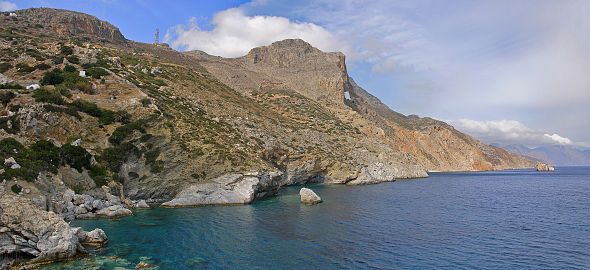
(296, 66)
(115, 121)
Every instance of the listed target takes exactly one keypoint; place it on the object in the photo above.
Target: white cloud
(7, 6)
(509, 132)
(233, 34)
(510, 59)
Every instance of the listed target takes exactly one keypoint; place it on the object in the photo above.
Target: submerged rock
(309, 197)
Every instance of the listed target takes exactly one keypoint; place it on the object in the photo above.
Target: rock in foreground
(543, 167)
(228, 189)
(29, 234)
(309, 197)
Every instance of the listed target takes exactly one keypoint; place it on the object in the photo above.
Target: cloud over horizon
(508, 132)
(501, 59)
(7, 6)
(233, 34)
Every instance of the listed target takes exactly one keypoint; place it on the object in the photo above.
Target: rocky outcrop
(28, 234)
(70, 205)
(114, 211)
(96, 237)
(141, 204)
(70, 23)
(309, 197)
(543, 167)
(228, 189)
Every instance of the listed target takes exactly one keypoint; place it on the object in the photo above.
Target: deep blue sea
(487, 220)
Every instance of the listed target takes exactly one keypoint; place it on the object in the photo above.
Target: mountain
(559, 155)
(296, 66)
(153, 123)
(92, 124)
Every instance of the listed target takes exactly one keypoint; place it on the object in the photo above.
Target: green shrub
(97, 72)
(70, 68)
(115, 157)
(35, 54)
(121, 133)
(52, 77)
(16, 188)
(62, 109)
(146, 102)
(14, 126)
(156, 166)
(66, 50)
(87, 107)
(9, 147)
(4, 67)
(47, 96)
(105, 117)
(47, 152)
(11, 85)
(75, 156)
(57, 60)
(6, 97)
(99, 174)
(42, 66)
(73, 59)
(24, 68)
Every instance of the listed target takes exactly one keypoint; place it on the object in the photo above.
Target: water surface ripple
(490, 220)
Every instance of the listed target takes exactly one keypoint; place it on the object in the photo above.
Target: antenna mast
(157, 42)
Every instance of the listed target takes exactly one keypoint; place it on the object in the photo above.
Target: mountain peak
(71, 23)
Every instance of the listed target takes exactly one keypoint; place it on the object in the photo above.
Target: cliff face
(294, 65)
(70, 23)
(151, 123)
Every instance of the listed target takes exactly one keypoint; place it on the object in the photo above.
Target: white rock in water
(309, 197)
(141, 204)
(96, 236)
(114, 211)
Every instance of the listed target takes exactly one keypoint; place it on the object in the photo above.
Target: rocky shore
(29, 234)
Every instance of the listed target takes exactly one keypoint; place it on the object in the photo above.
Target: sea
(517, 219)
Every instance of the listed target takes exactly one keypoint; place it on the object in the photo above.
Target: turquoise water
(489, 220)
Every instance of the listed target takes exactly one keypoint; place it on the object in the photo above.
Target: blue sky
(503, 71)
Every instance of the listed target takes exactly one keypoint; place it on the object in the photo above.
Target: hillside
(153, 123)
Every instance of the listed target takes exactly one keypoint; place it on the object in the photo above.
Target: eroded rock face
(68, 23)
(543, 167)
(228, 189)
(28, 233)
(309, 197)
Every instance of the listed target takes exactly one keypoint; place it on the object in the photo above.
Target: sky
(508, 72)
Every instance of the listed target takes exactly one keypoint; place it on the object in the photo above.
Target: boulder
(29, 233)
(114, 211)
(95, 237)
(228, 189)
(141, 204)
(309, 197)
(9, 161)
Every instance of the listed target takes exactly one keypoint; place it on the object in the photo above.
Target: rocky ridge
(150, 123)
